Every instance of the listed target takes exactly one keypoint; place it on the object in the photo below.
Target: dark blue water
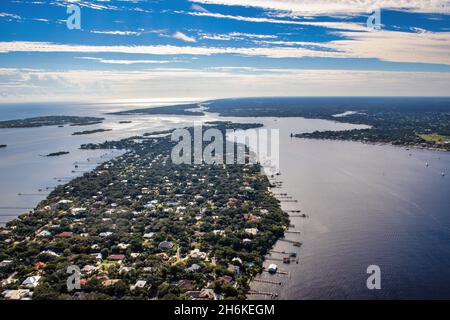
(367, 205)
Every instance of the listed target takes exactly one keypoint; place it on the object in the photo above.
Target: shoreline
(268, 291)
(48, 218)
(416, 147)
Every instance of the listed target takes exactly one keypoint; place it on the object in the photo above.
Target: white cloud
(395, 46)
(85, 4)
(197, 7)
(426, 47)
(337, 7)
(332, 25)
(41, 20)
(273, 52)
(236, 36)
(118, 33)
(10, 15)
(127, 62)
(181, 36)
(87, 84)
(252, 35)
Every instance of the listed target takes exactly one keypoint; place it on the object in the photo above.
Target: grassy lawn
(434, 137)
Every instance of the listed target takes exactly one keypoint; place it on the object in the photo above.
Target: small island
(57, 154)
(179, 110)
(89, 132)
(85, 124)
(125, 121)
(3, 145)
(48, 121)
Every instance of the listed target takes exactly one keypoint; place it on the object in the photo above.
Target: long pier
(15, 208)
(278, 272)
(281, 252)
(267, 281)
(273, 259)
(295, 243)
(271, 294)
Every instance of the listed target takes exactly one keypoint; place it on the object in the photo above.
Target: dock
(274, 251)
(267, 281)
(295, 243)
(273, 259)
(271, 294)
(278, 272)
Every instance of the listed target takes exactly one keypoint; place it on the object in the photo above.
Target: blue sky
(136, 49)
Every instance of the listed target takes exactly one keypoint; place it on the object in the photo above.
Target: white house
(31, 282)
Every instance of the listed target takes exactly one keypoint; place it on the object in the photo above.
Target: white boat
(273, 268)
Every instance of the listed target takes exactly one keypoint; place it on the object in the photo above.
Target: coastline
(54, 201)
(374, 143)
(270, 286)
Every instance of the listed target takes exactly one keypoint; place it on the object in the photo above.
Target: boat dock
(298, 216)
(278, 272)
(267, 281)
(271, 294)
(295, 243)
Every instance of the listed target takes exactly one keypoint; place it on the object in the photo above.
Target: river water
(366, 204)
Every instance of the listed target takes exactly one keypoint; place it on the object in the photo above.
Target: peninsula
(79, 133)
(56, 154)
(142, 227)
(49, 121)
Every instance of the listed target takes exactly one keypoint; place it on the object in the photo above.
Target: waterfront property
(141, 227)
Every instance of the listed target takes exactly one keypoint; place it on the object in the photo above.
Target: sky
(204, 49)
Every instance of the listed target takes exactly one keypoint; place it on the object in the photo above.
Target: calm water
(367, 204)
(24, 170)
